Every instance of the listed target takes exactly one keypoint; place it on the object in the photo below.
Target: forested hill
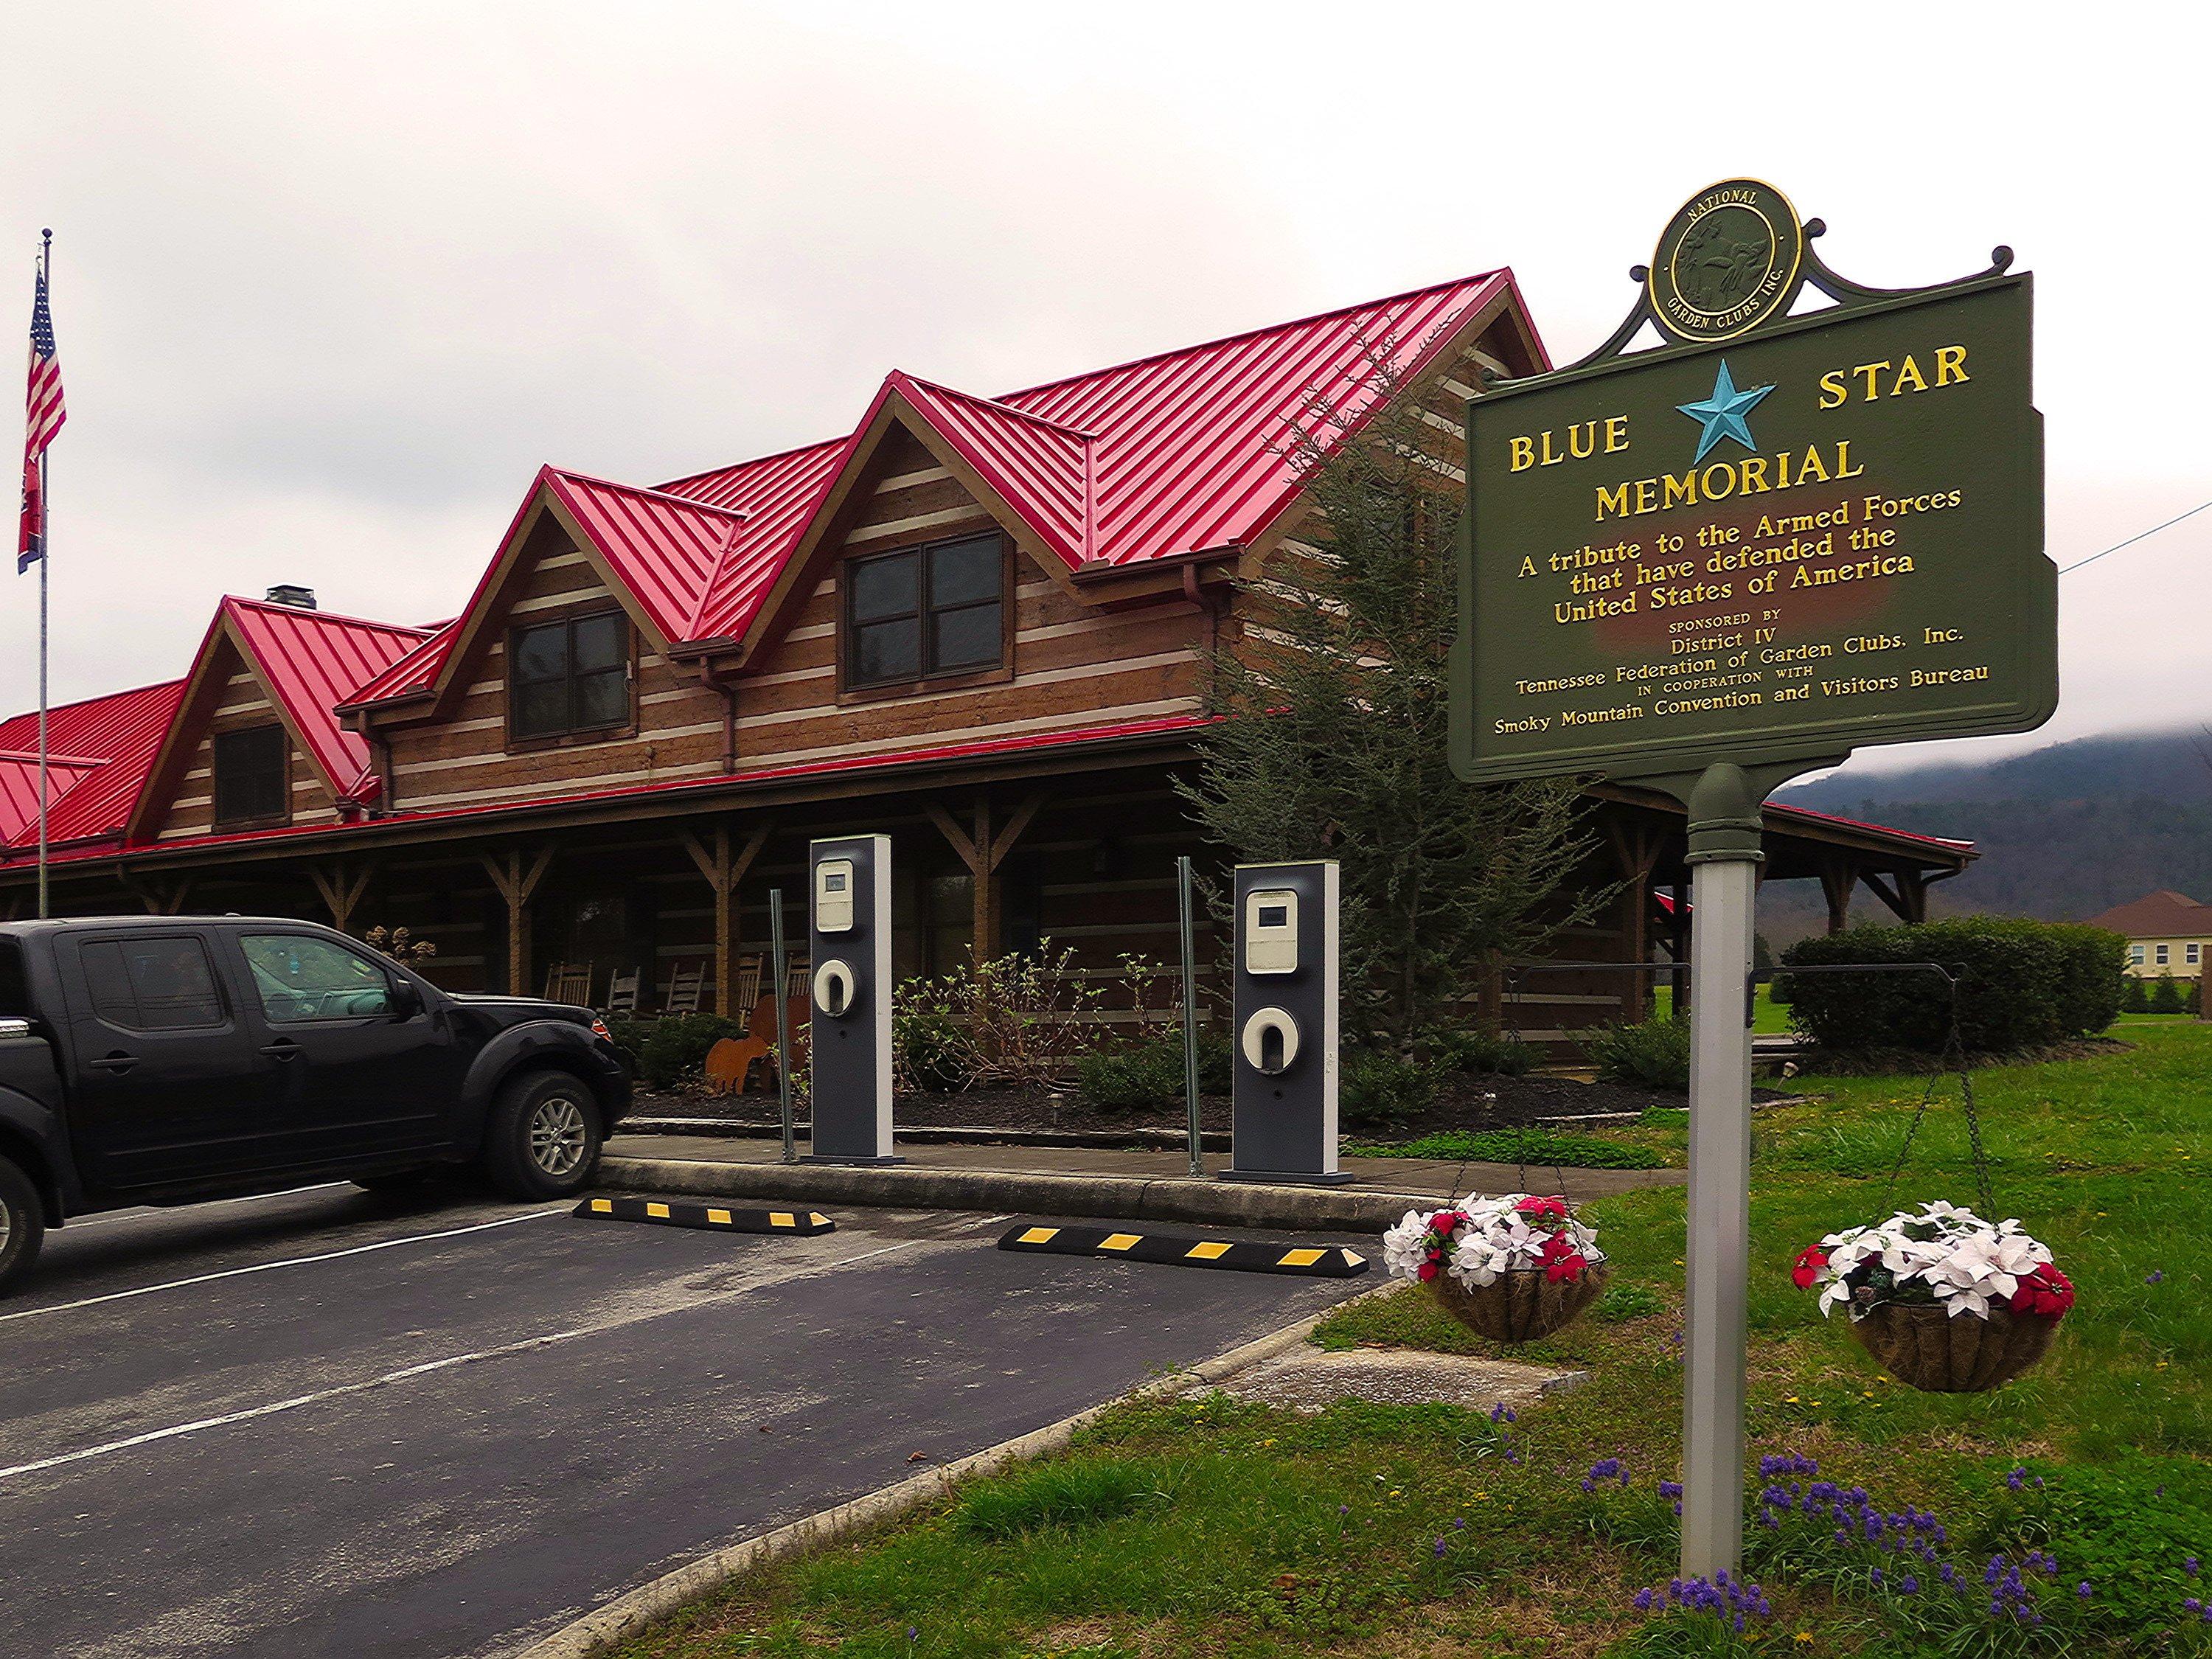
(2065, 832)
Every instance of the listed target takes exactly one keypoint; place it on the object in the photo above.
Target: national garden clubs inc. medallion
(1727, 262)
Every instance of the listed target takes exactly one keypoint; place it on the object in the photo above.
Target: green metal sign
(1780, 540)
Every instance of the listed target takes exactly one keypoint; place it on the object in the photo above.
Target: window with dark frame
(569, 676)
(252, 774)
(926, 612)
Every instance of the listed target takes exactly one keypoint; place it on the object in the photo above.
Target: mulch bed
(1462, 1103)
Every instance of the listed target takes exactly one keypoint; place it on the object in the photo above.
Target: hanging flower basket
(1513, 1269)
(1947, 1302)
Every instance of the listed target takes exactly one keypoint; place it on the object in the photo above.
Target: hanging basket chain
(1955, 1051)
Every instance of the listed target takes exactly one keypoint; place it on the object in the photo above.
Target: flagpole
(46, 544)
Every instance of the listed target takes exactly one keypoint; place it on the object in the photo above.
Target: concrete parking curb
(599, 1630)
(1129, 1198)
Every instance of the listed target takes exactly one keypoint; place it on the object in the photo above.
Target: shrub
(1655, 1053)
(1148, 1077)
(672, 1051)
(2136, 999)
(927, 1055)
(2021, 984)
(1016, 1019)
(1380, 1087)
(1486, 1052)
(2166, 996)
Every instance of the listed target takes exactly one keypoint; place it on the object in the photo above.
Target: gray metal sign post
(1723, 859)
(1285, 1044)
(850, 1020)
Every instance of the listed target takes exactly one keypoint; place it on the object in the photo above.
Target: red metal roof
(19, 788)
(1777, 809)
(124, 729)
(310, 661)
(1176, 454)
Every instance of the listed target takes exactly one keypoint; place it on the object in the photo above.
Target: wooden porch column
(983, 853)
(1837, 881)
(515, 885)
(342, 896)
(723, 873)
(1636, 849)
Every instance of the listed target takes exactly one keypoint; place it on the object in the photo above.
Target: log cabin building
(975, 623)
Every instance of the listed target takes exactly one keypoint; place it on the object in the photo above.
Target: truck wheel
(22, 1225)
(543, 1139)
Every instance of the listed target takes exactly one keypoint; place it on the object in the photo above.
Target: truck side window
(302, 979)
(152, 984)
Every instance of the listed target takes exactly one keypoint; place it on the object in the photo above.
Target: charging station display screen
(1275, 915)
(833, 884)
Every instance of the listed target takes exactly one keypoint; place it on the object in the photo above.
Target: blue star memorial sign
(1722, 414)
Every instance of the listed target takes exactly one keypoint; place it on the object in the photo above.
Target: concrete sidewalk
(1071, 1181)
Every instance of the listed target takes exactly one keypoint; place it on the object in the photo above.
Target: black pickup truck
(169, 1059)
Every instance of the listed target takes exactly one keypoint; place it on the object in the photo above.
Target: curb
(1128, 1198)
(627, 1614)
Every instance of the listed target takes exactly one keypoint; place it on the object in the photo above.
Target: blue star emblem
(1722, 414)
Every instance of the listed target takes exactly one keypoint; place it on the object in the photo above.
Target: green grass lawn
(1212, 1528)
(1768, 1017)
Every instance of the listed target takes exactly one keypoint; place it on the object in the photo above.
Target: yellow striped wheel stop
(1306, 1261)
(711, 1218)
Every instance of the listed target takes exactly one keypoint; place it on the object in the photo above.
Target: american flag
(44, 415)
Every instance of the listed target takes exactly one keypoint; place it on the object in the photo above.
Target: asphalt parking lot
(327, 1423)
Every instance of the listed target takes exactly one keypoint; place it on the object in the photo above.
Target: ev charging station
(1285, 1059)
(849, 1011)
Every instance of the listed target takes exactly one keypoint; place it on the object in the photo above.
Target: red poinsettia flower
(1444, 1222)
(1427, 1270)
(1556, 1246)
(1543, 1209)
(1567, 1266)
(1810, 1261)
(2046, 1291)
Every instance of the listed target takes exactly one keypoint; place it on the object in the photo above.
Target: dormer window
(569, 676)
(926, 613)
(252, 776)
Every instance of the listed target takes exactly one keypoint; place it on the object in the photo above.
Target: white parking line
(289, 1262)
(405, 1374)
(150, 1213)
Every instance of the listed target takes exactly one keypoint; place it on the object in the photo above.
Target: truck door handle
(117, 1063)
(282, 1049)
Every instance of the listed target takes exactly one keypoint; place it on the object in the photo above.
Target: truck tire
(22, 1225)
(542, 1139)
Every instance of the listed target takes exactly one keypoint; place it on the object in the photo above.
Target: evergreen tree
(2135, 996)
(2166, 996)
(1332, 741)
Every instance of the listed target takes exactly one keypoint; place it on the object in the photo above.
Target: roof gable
(1184, 451)
(310, 661)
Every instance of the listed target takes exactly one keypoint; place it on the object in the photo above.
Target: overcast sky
(332, 280)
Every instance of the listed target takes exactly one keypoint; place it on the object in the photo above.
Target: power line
(2137, 537)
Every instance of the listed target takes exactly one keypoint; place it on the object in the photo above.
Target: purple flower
(1874, 1578)
(1909, 1585)
(1644, 1601)
(2017, 1479)
(2083, 1591)
(1438, 1551)
(2155, 1276)
(1674, 1489)
(2189, 1565)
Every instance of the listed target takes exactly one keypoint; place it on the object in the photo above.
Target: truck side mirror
(406, 999)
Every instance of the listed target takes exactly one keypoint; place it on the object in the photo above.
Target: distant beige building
(2168, 932)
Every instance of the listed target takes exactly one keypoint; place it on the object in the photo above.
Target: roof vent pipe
(299, 598)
